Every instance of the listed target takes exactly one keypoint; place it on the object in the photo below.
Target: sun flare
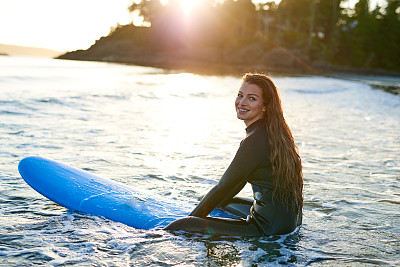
(188, 5)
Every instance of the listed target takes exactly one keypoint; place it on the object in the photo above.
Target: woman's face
(249, 103)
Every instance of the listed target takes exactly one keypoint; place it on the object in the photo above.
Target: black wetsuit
(266, 216)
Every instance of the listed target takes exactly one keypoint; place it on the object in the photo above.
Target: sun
(188, 5)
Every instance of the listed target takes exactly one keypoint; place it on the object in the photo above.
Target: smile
(242, 110)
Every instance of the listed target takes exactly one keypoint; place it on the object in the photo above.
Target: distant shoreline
(168, 62)
(16, 50)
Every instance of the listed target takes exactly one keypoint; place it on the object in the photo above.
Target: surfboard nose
(26, 165)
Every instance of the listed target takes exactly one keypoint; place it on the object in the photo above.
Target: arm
(213, 198)
(231, 183)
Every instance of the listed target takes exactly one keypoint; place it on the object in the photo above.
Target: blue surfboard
(82, 191)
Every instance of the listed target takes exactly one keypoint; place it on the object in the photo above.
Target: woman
(268, 159)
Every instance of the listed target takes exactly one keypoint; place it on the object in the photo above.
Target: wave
(50, 100)
(314, 84)
(16, 107)
(7, 112)
(390, 201)
(320, 91)
(14, 78)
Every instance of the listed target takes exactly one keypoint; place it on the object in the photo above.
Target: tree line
(326, 32)
(357, 37)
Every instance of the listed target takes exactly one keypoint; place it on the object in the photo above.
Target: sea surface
(172, 135)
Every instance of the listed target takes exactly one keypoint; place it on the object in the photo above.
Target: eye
(239, 95)
(252, 98)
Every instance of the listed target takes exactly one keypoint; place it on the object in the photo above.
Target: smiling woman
(268, 160)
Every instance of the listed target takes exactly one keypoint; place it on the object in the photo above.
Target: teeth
(242, 109)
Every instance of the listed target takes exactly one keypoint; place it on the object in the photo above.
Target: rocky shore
(209, 60)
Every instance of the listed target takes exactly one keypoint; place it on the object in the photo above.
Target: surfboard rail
(82, 191)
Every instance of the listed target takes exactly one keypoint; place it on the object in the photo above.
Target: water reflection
(183, 125)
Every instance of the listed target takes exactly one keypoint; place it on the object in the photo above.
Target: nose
(243, 101)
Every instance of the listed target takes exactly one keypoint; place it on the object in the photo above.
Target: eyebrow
(249, 94)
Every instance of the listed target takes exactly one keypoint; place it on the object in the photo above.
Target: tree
(388, 43)
(148, 9)
(357, 37)
(326, 20)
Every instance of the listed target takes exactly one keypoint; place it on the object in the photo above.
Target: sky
(64, 25)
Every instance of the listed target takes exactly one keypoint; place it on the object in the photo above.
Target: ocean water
(173, 134)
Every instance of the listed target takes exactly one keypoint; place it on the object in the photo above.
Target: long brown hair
(286, 163)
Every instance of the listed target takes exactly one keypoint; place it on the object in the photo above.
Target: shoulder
(257, 138)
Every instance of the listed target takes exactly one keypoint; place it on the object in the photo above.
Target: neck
(248, 123)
